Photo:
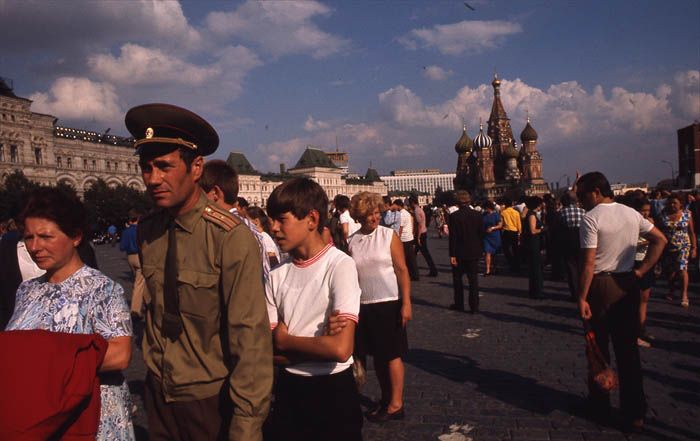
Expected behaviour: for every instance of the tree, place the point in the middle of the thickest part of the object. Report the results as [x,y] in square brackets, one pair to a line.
[15,191]
[110,206]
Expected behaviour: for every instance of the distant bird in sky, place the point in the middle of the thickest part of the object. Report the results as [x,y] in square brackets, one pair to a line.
[446,115]
[468,6]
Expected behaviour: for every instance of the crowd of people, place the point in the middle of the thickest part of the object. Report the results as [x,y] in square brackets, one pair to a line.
[240,303]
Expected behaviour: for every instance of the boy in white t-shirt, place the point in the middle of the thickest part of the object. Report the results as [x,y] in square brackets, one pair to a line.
[315,396]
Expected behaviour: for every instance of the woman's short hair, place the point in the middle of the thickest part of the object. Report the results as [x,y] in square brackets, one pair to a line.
[58,206]
[364,203]
[533,202]
[489,205]
[299,196]
[259,214]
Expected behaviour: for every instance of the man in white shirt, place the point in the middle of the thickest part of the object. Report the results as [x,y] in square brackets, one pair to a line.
[407,239]
[609,293]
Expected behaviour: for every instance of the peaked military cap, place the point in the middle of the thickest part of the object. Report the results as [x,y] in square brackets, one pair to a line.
[159,124]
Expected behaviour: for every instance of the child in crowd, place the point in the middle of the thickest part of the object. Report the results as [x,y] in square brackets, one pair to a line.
[316,397]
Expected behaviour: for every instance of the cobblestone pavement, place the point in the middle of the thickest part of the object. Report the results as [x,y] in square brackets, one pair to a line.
[514,372]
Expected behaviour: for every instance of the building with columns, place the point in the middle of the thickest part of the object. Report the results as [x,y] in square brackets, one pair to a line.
[491,165]
[48,153]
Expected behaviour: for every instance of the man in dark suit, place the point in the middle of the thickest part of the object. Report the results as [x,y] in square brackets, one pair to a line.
[466,246]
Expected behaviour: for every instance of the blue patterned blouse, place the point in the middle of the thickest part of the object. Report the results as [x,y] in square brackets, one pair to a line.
[87,302]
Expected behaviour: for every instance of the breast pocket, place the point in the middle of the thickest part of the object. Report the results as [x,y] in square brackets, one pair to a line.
[199,294]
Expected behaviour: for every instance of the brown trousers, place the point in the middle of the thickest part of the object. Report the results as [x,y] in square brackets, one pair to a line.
[197,420]
[140,289]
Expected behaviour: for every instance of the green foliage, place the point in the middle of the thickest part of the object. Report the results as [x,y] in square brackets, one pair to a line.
[110,206]
[105,206]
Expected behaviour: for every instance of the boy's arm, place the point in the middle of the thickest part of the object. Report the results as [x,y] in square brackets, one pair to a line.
[336,348]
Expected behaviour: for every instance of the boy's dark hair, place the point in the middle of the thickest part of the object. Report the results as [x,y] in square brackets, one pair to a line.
[64,209]
[387,201]
[638,202]
[398,202]
[341,202]
[219,173]
[298,196]
[242,202]
[590,181]
[568,198]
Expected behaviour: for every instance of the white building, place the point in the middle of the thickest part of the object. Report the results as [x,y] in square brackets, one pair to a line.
[424,181]
[256,187]
[48,154]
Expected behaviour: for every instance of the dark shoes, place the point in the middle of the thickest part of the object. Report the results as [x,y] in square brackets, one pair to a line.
[383,415]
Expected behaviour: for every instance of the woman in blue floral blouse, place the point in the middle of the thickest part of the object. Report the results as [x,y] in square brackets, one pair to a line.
[74,298]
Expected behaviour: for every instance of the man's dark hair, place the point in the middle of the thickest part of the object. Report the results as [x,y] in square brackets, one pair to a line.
[507,202]
[299,196]
[568,198]
[341,202]
[413,199]
[638,202]
[489,205]
[387,201]
[590,181]
[219,173]
[242,202]
[64,209]
[398,202]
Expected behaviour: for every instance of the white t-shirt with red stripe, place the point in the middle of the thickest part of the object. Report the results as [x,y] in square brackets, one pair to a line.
[303,294]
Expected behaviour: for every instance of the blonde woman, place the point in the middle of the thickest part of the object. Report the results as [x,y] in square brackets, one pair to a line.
[385,305]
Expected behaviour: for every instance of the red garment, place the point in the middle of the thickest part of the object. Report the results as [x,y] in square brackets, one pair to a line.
[47,380]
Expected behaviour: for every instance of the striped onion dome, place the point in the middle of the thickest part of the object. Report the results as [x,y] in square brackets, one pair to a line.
[528,133]
[482,140]
[465,143]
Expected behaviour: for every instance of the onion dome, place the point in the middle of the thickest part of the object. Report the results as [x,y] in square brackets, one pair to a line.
[482,140]
[528,133]
[465,143]
[496,81]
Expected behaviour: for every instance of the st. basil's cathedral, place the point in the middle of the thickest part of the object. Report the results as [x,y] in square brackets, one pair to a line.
[491,165]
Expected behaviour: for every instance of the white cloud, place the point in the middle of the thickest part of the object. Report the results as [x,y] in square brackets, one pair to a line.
[686,94]
[470,36]
[311,125]
[140,65]
[279,28]
[40,25]
[436,73]
[79,98]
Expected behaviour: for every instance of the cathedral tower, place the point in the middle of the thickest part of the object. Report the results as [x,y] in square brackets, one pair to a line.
[530,157]
[485,163]
[499,130]
[465,165]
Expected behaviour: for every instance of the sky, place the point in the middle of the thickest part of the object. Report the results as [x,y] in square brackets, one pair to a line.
[606,83]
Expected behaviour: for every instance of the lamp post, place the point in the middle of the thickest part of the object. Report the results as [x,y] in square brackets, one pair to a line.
[673,171]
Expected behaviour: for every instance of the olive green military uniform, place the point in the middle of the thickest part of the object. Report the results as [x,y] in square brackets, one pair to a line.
[225,339]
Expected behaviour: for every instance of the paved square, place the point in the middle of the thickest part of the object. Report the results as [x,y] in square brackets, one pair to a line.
[514,372]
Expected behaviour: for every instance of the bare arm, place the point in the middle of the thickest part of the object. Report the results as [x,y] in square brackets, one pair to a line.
[346,230]
[693,239]
[532,224]
[585,279]
[326,347]
[402,278]
[118,354]
[657,243]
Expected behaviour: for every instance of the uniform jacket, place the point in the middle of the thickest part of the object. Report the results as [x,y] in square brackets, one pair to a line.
[49,380]
[466,234]
[226,339]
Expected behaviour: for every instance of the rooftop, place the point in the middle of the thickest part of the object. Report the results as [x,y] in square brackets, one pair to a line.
[313,157]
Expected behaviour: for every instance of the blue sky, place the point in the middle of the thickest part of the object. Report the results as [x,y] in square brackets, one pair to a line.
[606,83]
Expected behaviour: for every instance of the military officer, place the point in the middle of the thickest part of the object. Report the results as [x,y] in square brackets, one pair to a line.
[207,342]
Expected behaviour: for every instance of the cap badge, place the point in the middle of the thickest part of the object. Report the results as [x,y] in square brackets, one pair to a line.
[149,133]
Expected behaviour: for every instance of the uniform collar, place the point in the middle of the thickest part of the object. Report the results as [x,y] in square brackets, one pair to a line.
[188,220]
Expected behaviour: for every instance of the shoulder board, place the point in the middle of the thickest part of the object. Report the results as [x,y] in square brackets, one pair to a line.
[220,217]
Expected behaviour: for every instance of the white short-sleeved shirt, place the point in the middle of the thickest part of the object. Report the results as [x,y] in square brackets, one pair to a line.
[406,225]
[353,226]
[303,294]
[372,255]
[613,229]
